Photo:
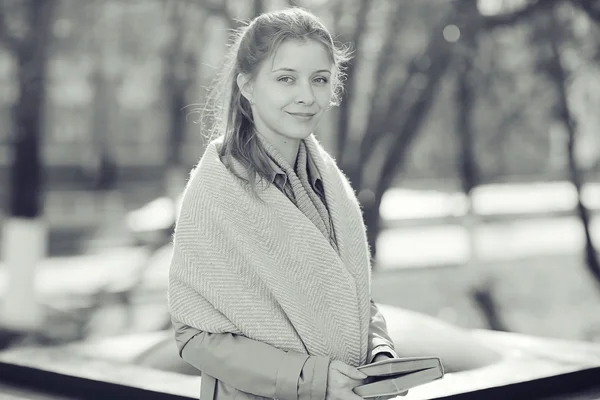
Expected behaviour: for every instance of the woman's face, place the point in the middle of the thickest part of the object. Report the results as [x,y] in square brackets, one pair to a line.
[291,90]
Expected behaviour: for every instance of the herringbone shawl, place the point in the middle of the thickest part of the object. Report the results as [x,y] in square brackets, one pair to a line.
[264,270]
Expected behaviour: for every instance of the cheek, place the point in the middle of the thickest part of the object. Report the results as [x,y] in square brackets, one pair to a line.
[275,96]
[324,96]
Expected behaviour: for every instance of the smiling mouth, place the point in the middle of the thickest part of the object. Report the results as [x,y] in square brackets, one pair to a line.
[302,115]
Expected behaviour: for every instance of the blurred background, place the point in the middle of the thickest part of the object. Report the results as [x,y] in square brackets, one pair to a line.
[470,131]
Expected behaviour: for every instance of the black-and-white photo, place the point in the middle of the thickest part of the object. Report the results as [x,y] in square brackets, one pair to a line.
[299,199]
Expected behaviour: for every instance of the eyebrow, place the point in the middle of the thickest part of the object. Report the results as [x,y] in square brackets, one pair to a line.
[293,70]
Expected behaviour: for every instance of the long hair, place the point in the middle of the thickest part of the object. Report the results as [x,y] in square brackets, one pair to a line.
[228,113]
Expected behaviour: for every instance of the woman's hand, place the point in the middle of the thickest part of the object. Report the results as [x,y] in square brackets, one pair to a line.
[342,378]
[381,357]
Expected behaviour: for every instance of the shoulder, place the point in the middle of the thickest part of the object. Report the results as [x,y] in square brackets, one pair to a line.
[207,176]
[325,157]
[211,183]
[332,167]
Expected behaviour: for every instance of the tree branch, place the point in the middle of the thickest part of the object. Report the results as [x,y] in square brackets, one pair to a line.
[560,77]
[411,125]
[344,109]
[376,130]
[512,18]
[383,67]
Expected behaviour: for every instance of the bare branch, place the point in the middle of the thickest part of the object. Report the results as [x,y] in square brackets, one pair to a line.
[411,125]
[512,18]
[376,109]
[344,108]
[560,76]
[376,130]
[387,50]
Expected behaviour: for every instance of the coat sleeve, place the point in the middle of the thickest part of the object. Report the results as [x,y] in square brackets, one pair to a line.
[232,359]
[379,339]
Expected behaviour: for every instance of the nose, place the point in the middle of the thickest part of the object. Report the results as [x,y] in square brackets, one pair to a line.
[305,95]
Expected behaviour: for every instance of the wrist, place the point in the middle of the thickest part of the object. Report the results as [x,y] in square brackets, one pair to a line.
[382,356]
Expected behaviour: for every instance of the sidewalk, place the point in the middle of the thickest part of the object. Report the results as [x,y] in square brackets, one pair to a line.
[82,274]
[498,242]
[398,249]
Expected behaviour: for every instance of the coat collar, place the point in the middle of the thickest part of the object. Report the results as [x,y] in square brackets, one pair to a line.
[312,169]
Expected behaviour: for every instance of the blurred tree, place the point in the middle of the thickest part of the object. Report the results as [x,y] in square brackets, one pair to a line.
[554,32]
[468,77]
[106,75]
[356,37]
[233,12]
[258,7]
[398,105]
[26,31]
[220,8]
[181,69]
[181,61]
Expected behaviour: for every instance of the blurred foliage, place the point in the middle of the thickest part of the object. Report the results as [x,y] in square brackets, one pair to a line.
[516,132]
[432,83]
[142,49]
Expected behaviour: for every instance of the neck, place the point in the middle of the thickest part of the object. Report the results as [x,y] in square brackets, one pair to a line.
[289,151]
[288,148]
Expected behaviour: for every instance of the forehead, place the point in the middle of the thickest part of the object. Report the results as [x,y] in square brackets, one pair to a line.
[302,56]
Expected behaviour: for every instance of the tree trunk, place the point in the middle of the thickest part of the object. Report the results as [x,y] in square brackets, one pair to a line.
[258,7]
[180,75]
[372,220]
[344,114]
[101,166]
[24,238]
[480,280]
[575,176]
[483,296]
[559,75]
[174,171]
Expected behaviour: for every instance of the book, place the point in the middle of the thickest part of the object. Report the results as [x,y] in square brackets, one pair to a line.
[395,376]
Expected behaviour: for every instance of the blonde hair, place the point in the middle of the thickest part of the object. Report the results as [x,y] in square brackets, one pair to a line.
[228,113]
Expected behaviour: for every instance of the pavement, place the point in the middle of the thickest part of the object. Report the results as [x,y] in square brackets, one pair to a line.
[399,248]
[81,274]
[500,241]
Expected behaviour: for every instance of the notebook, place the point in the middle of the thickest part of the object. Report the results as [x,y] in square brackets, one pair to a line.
[395,376]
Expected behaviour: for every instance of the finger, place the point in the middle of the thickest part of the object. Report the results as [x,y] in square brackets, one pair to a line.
[391,396]
[351,372]
[352,396]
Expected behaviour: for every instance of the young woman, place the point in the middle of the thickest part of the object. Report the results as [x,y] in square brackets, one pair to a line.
[269,285]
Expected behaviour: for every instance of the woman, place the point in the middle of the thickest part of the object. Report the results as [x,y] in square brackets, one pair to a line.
[269,285]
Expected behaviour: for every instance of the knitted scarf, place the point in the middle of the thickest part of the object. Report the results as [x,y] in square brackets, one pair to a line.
[315,209]
[262,269]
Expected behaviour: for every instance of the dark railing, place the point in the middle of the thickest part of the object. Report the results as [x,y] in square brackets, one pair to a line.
[53,374]
[49,373]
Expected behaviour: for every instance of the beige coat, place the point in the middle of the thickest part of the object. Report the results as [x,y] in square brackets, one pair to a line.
[236,367]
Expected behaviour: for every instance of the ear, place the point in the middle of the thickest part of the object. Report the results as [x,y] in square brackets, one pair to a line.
[245,85]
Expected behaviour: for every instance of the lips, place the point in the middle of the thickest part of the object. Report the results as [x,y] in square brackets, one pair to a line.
[302,115]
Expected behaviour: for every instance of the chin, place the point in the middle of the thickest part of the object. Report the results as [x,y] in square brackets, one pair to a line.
[298,133]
